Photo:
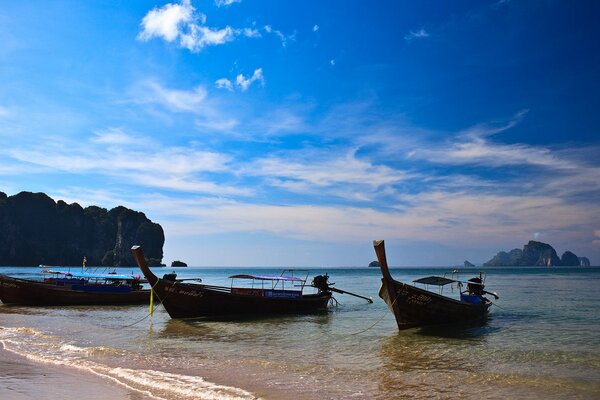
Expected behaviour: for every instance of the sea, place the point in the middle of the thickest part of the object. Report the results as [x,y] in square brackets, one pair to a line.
[541,341]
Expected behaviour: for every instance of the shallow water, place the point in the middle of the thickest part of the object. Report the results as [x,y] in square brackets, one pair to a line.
[541,341]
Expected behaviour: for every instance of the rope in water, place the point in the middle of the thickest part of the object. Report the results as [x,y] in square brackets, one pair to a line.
[383,314]
[151,304]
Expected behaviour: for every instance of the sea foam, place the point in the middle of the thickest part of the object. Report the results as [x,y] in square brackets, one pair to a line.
[42,348]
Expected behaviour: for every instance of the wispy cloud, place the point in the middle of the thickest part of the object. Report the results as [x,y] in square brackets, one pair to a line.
[244,83]
[225,3]
[224,83]
[111,153]
[283,37]
[251,32]
[420,34]
[473,146]
[315,28]
[150,91]
[325,172]
[118,137]
[164,101]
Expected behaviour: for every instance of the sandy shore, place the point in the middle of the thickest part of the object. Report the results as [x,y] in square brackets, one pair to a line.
[22,379]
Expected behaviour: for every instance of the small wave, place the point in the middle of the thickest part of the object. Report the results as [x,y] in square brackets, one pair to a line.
[92,351]
[35,345]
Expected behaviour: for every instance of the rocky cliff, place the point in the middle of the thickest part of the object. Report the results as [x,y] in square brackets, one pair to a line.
[34,229]
[570,259]
[534,254]
[584,261]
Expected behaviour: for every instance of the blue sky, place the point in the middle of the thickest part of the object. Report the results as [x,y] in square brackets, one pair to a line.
[294,133]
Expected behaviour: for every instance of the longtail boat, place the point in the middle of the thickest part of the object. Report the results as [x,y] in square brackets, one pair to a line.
[413,306]
[73,288]
[193,300]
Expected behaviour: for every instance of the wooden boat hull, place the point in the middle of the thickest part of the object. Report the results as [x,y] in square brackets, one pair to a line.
[413,306]
[184,300]
[194,300]
[28,292]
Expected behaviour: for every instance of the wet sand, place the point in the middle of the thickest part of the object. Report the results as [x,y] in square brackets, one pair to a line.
[22,379]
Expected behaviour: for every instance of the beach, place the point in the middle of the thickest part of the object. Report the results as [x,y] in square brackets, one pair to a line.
[22,379]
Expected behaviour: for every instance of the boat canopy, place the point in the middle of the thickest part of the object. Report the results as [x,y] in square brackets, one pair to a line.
[91,275]
[441,281]
[267,278]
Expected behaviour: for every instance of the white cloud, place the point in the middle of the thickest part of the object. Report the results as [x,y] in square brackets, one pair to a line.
[446,218]
[116,136]
[315,28]
[244,83]
[209,112]
[225,3]
[420,34]
[166,22]
[193,101]
[342,175]
[199,37]
[153,166]
[251,32]
[179,22]
[284,38]
[332,62]
[224,83]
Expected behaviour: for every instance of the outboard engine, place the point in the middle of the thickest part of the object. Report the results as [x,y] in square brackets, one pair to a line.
[476,287]
[321,282]
[170,277]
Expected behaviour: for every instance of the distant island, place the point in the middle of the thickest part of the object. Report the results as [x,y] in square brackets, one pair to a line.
[34,230]
[374,264]
[536,254]
[178,264]
[468,264]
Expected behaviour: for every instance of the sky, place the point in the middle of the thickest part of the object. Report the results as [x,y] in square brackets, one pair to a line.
[281,133]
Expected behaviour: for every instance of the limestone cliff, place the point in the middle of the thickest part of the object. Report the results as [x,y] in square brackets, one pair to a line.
[34,229]
[534,254]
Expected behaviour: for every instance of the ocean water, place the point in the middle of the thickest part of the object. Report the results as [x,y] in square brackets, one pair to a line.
[542,340]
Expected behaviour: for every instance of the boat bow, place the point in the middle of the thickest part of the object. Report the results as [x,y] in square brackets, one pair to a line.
[138,255]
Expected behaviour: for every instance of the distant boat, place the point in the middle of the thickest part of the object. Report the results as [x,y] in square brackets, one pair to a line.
[73,288]
[267,295]
[413,306]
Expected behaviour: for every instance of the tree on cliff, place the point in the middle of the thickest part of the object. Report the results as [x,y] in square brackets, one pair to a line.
[36,230]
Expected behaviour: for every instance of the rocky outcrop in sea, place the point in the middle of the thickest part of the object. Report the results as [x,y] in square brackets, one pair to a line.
[34,229]
[535,254]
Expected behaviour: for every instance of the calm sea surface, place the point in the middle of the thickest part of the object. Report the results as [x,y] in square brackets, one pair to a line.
[542,341]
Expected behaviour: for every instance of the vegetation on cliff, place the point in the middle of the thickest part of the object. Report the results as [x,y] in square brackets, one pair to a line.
[34,229]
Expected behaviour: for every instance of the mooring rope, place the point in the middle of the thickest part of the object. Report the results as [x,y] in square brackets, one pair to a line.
[151,304]
[383,314]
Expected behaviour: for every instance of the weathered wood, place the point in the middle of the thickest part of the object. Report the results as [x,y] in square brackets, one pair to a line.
[38,293]
[186,300]
[413,306]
